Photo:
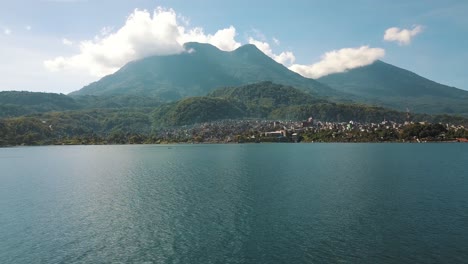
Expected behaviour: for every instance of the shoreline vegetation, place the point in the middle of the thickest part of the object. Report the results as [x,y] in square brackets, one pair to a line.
[254,113]
[240,131]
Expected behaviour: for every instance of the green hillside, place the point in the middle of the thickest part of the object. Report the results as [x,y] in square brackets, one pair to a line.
[386,85]
[138,124]
[204,68]
[116,101]
[268,100]
[198,71]
[275,94]
[13,103]
[197,110]
[74,127]
[261,98]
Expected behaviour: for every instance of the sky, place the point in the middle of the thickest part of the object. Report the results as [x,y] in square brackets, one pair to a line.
[62,45]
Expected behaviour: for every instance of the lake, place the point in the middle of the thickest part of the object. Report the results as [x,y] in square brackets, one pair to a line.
[239,203]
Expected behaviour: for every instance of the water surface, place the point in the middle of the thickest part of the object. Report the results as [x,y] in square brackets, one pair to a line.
[253,203]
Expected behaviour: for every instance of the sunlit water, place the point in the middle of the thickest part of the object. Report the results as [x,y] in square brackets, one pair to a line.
[253,203]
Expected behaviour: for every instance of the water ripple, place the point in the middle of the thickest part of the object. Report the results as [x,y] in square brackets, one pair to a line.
[264,203]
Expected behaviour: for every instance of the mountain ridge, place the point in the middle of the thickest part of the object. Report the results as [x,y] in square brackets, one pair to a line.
[390,86]
[203,68]
[199,70]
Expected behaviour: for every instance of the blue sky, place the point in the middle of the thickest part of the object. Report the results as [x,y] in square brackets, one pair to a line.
[62,45]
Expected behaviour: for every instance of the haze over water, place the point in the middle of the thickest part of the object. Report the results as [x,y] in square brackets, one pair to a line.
[254,203]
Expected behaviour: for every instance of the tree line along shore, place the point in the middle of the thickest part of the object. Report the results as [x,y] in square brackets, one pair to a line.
[235,131]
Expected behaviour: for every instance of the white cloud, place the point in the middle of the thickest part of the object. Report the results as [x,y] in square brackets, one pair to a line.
[7,31]
[163,32]
[276,41]
[285,57]
[224,39]
[402,36]
[144,34]
[106,31]
[340,61]
[67,42]
[28,28]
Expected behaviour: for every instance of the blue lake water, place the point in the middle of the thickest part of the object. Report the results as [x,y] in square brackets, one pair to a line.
[252,203]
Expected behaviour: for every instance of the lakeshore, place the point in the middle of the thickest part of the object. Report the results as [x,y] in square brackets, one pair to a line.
[258,131]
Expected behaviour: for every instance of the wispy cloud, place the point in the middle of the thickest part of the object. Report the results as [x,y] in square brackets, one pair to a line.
[67,42]
[28,28]
[106,31]
[402,36]
[340,61]
[452,12]
[285,57]
[276,41]
[7,31]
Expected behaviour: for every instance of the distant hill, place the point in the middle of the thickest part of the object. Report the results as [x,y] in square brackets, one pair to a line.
[14,103]
[197,110]
[261,98]
[249,101]
[386,85]
[268,100]
[198,71]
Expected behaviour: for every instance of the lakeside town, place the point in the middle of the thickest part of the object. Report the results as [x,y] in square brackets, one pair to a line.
[246,131]
[256,131]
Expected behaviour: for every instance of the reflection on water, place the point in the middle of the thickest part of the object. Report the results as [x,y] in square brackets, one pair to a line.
[262,203]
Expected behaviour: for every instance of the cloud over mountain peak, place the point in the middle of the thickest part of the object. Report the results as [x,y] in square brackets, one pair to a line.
[144,34]
[164,32]
[340,61]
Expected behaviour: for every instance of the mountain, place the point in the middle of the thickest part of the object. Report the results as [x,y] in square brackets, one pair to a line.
[199,70]
[386,85]
[204,68]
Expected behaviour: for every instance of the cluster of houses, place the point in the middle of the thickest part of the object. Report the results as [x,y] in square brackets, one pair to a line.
[230,131]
